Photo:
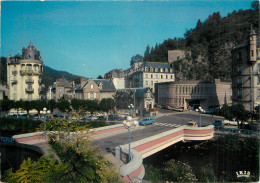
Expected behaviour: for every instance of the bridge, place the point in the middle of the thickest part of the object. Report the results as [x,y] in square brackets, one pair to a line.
[140,149]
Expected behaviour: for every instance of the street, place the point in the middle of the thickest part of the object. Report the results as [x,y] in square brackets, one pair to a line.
[167,120]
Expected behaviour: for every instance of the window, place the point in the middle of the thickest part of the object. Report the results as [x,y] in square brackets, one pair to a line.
[156,76]
[161,76]
[239,82]
[161,70]
[146,83]
[258,93]
[146,76]
[151,76]
[171,76]
[151,82]
[258,68]
[252,53]
[156,70]
[166,76]
[239,70]
[91,86]
[239,93]
[151,69]
[166,70]
[146,69]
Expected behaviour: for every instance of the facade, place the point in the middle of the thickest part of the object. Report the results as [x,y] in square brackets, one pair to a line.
[24,74]
[245,73]
[98,89]
[194,94]
[141,98]
[174,55]
[59,89]
[149,73]
[118,77]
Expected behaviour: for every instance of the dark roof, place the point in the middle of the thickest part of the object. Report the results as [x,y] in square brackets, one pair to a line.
[107,85]
[156,65]
[63,82]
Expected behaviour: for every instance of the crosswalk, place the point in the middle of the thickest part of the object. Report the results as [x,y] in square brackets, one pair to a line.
[167,124]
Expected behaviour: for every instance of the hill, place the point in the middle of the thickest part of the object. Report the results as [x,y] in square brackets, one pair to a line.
[213,40]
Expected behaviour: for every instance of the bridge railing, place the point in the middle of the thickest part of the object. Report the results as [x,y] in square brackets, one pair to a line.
[238,131]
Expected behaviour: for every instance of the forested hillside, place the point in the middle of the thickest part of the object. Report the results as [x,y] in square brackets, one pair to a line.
[213,39]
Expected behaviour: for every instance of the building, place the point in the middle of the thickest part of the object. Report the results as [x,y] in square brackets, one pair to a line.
[24,74]
[60,89]
[245,73]
[141,98]
[118,77]
[193,94]
[149,73]
[174,55]
[91,89]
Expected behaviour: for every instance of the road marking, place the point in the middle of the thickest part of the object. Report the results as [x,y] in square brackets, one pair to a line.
[167,124]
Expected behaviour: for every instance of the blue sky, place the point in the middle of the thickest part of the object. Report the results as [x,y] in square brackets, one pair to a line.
[90,38]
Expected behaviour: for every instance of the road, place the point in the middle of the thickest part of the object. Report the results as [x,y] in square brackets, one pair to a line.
[166,121]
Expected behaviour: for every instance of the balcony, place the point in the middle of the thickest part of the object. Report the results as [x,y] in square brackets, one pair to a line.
[29,72]
[14,72]
[29,81]
[29,90]
[14,82]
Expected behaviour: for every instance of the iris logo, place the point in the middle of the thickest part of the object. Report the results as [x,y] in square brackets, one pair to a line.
[243,174]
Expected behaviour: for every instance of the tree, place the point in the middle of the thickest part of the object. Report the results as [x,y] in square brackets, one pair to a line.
[76,104]
[6,105]
[147,54]
[99,77]
[39,105]
[27,105]
[17,105]
[92,105]
[63,106]
[78,161]
[107,104]
[135,59]
[239,113]
[255,5]
[51,105]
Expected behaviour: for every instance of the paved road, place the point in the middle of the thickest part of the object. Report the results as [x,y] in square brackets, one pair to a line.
[165,122]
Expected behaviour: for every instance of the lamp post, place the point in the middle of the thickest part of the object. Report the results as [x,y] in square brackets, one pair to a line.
[127,123]
[131,106]
[200,110]
[45,110]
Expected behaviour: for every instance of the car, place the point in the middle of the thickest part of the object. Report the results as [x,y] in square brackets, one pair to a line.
[101,118]
[178,109]
[228,122]
[147,121]
[218,123]
[192,124]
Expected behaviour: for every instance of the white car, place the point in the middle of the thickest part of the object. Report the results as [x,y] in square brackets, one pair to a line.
[227,122]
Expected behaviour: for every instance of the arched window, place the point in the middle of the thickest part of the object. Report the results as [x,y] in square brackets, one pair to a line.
[146,69]
[161,70]
[151,69]
[166,70]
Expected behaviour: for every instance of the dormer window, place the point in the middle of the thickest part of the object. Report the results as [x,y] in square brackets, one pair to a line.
[146,69]
[166,70]
[161,70]
[156,70]
[151,69]
[100,85]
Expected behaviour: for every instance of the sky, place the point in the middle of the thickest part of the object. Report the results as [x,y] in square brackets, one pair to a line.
[90,38]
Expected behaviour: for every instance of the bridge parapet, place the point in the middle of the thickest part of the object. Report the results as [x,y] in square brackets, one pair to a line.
[153,144]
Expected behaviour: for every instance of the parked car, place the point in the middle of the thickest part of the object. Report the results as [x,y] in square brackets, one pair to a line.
[227,122]
[192,124]
[102,118]
[147,121]
[218,123]
[178,109]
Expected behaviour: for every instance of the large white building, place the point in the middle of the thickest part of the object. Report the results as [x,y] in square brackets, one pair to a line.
[117,76]
[146,74]
[23,74]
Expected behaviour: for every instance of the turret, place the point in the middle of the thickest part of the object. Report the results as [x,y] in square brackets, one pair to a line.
[252,42]
[31,53]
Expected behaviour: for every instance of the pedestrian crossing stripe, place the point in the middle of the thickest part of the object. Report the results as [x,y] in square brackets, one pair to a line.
[166,124]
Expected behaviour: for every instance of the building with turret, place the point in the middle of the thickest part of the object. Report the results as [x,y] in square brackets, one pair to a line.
[246,73]
[24,74]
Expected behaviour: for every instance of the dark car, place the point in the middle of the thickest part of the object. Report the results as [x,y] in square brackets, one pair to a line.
[218,123]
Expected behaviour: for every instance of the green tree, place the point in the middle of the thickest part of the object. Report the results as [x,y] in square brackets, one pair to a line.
[17,105]
[239,113]
[63,106]
[39,105]
[107,104]
[92,105]
[51,105]
[27,106]
[135,59]
[6,105]
[99,77]
[76,104]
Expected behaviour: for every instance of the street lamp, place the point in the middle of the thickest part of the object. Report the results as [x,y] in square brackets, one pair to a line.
[131,107]
[201,111]
[45,110]
[127,123]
